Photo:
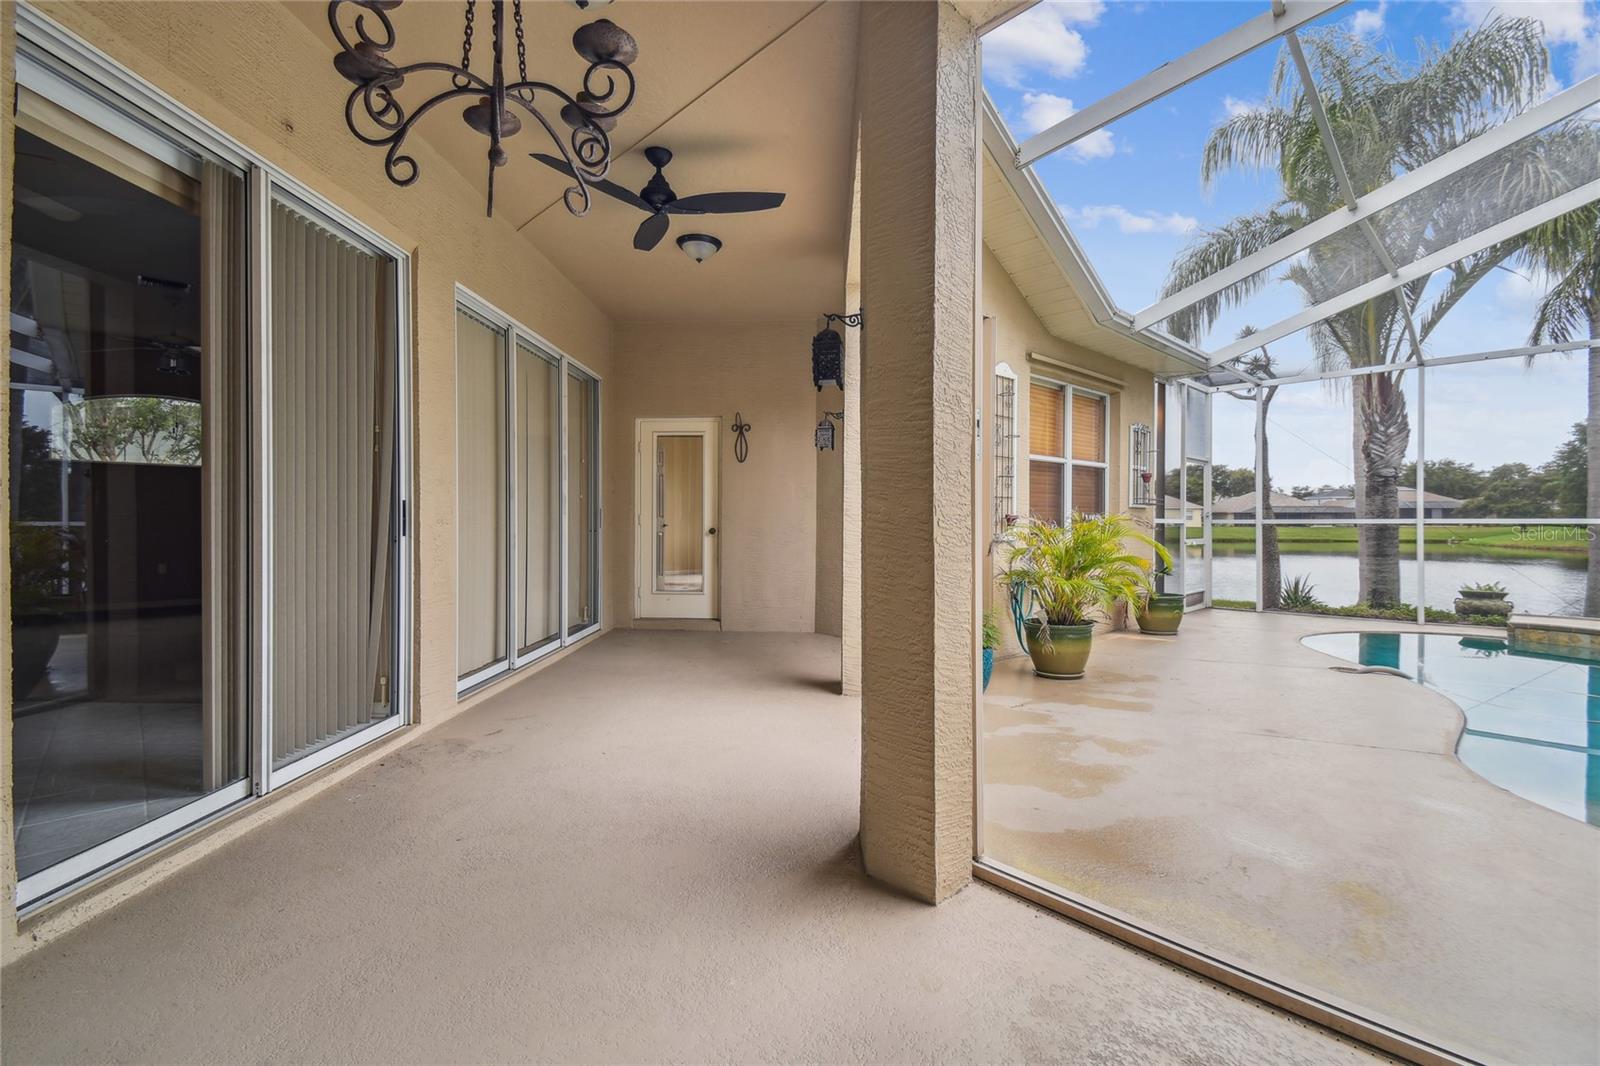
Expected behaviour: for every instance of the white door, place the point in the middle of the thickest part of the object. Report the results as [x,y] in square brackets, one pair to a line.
[677,518]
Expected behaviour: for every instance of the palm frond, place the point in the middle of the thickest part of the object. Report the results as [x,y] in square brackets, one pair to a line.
[1217,249]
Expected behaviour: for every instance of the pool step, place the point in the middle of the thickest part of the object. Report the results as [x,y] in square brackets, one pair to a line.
[1577,637]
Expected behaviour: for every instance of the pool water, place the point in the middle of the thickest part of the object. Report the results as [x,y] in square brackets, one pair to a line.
[1533,720]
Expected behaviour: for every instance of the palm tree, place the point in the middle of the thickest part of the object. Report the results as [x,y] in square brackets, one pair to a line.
[1568,249]
[1388,117]
[1260,364]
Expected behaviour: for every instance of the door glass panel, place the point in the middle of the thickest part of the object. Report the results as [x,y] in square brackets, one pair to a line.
[335,533]
[480,495]
[126,335]
[539,497]
[680,513]
[583,501]
[1195,577]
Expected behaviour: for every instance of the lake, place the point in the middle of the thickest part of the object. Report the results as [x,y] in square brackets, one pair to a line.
[1535,586]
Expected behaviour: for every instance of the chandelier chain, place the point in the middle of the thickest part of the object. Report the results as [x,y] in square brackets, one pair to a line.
[522,43]
[466,43]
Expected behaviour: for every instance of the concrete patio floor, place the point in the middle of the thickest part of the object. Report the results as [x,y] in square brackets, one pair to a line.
[645,853]
[1230,788]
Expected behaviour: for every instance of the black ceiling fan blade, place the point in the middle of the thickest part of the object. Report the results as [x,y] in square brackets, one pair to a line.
[610,188]
[650,232]
[726,203]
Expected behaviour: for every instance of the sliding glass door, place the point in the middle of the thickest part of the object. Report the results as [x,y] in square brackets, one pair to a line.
[583,501]
[527,496]
[207,472]
[538,464]
[481,487]
[126,488]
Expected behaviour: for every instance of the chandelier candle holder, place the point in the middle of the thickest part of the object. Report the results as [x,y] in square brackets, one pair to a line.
[377,117]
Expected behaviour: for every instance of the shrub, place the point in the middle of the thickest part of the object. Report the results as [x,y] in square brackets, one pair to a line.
[1299,594]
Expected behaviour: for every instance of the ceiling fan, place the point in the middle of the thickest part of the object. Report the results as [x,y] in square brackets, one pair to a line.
[658,199]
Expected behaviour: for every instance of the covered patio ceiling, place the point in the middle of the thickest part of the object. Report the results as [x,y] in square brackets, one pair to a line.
[748,95]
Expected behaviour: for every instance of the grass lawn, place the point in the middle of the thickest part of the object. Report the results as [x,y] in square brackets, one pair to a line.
[1524,542]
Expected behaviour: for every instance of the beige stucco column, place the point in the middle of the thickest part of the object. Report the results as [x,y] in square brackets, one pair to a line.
[919,213]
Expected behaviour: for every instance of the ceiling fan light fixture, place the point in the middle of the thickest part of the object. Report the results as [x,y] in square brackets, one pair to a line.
[699,246]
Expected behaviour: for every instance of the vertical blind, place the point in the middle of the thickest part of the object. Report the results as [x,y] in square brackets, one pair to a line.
[333,308]
[225,473]
[480,494]
[539,512]
[582,500]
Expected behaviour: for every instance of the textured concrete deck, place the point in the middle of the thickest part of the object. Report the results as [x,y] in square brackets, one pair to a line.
[1229,788]
[646,853]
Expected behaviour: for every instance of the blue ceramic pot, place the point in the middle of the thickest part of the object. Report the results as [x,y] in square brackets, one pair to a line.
[988,666]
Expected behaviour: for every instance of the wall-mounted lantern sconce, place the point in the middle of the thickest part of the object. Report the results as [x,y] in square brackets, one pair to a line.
[827,352]
[825,430]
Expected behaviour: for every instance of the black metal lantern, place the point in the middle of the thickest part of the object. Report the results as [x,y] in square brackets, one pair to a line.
[825,429]
[827,352]
[827,360]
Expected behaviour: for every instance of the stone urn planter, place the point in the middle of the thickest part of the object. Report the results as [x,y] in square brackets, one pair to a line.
[1161,614]
[1058,652]
[1483,601]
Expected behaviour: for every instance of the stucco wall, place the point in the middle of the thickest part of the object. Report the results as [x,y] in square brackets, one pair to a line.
[265,79]
[767,531]
[1017,333]
[830,517]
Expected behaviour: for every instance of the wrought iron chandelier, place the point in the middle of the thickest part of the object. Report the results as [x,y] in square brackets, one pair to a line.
[590,114]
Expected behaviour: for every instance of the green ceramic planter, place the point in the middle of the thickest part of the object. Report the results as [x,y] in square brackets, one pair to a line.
[1163,614]
[1066,654]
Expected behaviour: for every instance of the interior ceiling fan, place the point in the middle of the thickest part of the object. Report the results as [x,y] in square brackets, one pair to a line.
[658,199]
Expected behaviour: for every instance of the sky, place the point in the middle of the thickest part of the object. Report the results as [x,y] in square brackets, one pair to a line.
[1132,195]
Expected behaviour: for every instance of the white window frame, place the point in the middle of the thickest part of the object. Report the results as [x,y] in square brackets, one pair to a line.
[1067,462]
[62,67]
[517,657]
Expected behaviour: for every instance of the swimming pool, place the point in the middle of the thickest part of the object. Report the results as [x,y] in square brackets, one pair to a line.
[1533,720]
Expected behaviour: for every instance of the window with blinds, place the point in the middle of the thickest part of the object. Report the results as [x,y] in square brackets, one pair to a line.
[1063,482]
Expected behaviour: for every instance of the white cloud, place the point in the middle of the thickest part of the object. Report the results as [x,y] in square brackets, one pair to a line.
[1131,222]
[1566,22]
[1519,293]
[1368,22]
[1040,111]
[1234,107]
[1041,40]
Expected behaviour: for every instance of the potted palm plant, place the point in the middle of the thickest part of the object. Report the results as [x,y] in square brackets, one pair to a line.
[1069,572]
[1160,612]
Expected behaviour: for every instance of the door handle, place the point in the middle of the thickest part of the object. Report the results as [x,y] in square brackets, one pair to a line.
[711,532]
